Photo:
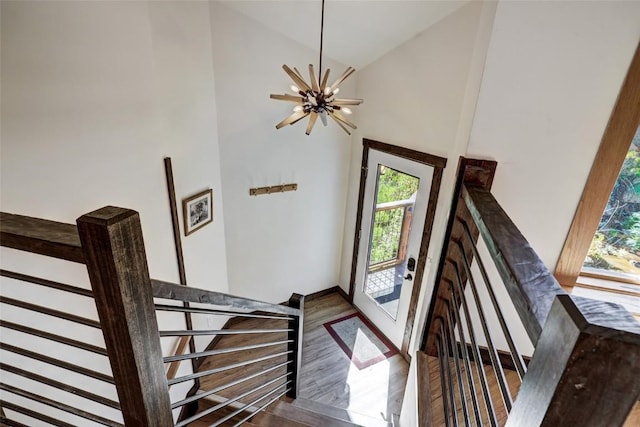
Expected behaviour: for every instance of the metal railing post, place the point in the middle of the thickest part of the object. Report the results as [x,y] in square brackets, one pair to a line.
[296,325]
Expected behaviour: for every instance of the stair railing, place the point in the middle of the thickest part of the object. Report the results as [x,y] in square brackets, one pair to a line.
[586,364]
[274,361]
[109,242]
[42,343]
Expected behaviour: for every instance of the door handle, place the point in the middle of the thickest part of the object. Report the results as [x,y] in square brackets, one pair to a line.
[408,277]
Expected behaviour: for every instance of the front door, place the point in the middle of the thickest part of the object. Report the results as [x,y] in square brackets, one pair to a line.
[395,202]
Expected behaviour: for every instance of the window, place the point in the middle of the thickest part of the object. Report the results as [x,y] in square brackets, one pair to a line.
[609,160]
[615,249]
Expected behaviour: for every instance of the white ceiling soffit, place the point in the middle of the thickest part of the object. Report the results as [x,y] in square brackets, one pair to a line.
[356,32]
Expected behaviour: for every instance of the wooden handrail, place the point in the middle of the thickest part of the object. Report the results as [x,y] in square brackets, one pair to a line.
[394,205]
[530,284]
[41,236]
[168,290]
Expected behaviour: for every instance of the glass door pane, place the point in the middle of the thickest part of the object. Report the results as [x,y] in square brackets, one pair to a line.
[391,224]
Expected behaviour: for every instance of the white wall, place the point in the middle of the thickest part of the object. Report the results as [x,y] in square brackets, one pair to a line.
[281,243]
[553,73]
[94,96]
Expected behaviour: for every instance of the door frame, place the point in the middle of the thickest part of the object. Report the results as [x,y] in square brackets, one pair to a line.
[438,164]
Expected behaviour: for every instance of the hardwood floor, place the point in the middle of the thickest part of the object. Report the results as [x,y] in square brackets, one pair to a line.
[327,375]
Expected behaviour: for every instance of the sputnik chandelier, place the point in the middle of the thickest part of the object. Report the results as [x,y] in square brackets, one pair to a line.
[317,98]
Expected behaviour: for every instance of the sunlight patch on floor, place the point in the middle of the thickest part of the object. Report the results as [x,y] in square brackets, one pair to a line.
[371,385]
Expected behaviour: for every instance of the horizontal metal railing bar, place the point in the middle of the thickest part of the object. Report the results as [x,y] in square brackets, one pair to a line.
[250,405]
[59,405]
[50,312]
[163,307]
[225,368]
[168,290]
[47,283]
[226,402]
[33,414]
[57,362]
[4,421]
[170,359]
[220,332]
[54,337]
[273,399]
[227,385]
[61,386]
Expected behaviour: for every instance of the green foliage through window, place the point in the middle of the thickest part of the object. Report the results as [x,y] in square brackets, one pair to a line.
[616,245]
[393,186]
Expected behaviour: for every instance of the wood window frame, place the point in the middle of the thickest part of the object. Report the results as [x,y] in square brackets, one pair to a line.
[617,137]
[438,164]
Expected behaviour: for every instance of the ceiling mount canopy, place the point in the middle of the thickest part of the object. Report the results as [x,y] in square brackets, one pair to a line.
[317,98]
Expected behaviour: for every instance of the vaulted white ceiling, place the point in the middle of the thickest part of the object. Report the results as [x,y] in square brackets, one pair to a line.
[356,32]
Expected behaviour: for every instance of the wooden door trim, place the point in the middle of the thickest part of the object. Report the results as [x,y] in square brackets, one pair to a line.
[438,164]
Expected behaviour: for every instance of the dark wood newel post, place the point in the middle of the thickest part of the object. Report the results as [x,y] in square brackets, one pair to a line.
[585,370]
[295,357]
[113,247]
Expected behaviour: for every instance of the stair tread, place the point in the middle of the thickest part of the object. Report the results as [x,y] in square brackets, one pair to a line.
[339,413]
[307,417]
[267,419]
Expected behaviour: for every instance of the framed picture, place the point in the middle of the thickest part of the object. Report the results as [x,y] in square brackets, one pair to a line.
[197,211]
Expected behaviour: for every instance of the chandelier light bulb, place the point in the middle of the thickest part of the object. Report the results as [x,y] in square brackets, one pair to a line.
[346,110]
[294,88]
[298,109]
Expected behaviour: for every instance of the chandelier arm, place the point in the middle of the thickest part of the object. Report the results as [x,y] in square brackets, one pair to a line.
[288,98]
[292,119]
[298,73]
[296,79]
[340,118]
[346,101]
[342,78]
[312,121]
[323,85]
[340,124]
[314,81]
